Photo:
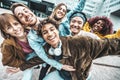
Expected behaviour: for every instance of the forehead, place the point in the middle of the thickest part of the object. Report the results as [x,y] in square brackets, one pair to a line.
[63,6]
[101,21]
[77,18]
[48,26]
[19,9]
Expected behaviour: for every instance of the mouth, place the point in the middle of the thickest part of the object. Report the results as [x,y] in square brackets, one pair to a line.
[30,19]
[95,28]
[18,32]
[75,27]
[60,13]
[52,38]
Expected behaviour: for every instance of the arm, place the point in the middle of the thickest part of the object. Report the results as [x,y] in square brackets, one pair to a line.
[115,35]
[89,34]
[79,8]
[38,48]
[30,63]
[94,48]
[64,27]
[8,56]
[11,58]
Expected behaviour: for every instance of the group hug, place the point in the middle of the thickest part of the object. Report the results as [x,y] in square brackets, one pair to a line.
[64,43]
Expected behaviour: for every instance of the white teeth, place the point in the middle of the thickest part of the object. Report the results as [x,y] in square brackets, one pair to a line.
[96,28]
[51,38]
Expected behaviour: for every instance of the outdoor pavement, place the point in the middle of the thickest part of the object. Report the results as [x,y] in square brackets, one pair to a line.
[98,72]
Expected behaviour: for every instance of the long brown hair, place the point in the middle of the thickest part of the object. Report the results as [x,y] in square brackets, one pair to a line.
[5,20]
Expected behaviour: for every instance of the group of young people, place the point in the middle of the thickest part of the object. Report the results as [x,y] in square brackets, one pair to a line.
[65,43]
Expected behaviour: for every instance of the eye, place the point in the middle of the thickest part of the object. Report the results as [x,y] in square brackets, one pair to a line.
[52,29]
[64,10]
[60,8]
[25,10]
[20,15]
[16,23]
[8,27]
[79,22]
[44,32]
[73,21]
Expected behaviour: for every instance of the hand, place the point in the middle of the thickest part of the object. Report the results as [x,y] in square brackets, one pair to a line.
[12,70]
[68,68]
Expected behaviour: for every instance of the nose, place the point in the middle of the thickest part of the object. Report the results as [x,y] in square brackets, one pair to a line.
[26,15]
[75,24]
[14,27]
[50,33]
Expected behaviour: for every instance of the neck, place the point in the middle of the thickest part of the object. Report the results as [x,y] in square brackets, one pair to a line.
[56,45]
[73,34]
[23,38]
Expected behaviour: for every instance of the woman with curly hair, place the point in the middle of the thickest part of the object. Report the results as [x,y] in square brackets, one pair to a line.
[101,26]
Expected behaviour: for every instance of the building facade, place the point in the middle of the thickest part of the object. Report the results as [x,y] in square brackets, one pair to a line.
[109,8]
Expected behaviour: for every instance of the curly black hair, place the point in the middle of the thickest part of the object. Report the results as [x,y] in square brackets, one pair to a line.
[108,27]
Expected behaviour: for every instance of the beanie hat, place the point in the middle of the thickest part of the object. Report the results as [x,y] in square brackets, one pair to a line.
[78,14]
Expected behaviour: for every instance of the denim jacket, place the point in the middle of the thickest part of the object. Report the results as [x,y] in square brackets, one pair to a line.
[64,27]
[36,42]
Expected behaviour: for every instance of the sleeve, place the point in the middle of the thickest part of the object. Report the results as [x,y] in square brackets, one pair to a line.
[8,56]
[100,48]
[92,35]
[79,7]
[115,35]
[30,63]
[94,48]
[64,27]
[38,48]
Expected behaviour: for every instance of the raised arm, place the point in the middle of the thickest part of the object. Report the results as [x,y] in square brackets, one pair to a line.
[64,27]
[79,7]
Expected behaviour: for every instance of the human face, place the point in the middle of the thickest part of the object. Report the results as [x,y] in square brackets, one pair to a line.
[14,29]
[98,26]
[60,12]
[76,25]
[25,16]
[50,34]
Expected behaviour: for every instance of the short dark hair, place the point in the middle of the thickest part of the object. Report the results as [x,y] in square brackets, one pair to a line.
[44,22]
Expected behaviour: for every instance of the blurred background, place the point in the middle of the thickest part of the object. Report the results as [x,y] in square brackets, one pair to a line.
[43,8]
